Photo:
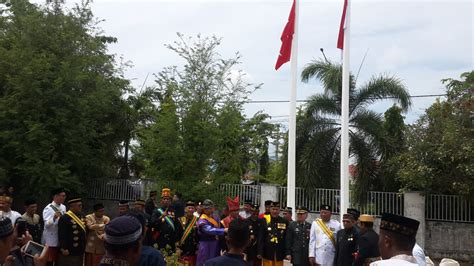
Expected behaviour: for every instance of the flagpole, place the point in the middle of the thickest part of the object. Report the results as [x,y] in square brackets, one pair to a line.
[291,186]
[345,116]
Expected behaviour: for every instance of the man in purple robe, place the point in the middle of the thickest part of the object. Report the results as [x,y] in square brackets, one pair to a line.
[209,230]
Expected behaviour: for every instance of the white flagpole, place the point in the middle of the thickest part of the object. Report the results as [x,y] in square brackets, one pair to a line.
[291,186]
[345,116]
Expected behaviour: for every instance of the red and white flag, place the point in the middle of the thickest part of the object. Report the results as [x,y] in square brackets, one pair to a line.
[340,39]
[287,39]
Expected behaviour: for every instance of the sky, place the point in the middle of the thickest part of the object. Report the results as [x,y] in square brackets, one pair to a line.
[418,41]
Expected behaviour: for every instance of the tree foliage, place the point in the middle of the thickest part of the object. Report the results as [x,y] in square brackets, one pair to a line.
[318,127]
[440,154]
[60,97]
[199,137]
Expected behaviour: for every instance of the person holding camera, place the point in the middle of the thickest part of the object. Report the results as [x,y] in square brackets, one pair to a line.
[10,253]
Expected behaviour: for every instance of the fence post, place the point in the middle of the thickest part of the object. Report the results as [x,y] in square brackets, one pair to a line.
[268,192]
[414,207]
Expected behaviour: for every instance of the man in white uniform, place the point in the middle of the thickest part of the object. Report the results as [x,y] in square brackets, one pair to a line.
[51,214]
[5,207]
[322,238]
[396,241]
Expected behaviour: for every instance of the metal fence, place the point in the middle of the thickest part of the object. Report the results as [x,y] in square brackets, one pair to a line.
[449,208]
[245,192]
[118,189]
[376,202]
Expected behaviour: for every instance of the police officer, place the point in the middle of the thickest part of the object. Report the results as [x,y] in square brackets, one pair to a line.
[297,238]
[346,242]
[368,241]
[271,242]
[165,226]
[72,235]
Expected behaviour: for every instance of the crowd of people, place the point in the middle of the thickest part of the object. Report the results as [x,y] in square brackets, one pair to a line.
[196,233]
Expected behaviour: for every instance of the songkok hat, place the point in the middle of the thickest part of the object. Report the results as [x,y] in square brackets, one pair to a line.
[74,200]
[325,207]
[207,203]
[166,193]
[139,202]
[399,224]
[268,202]
[29,202]
[248,201]
[353,212]
[275,204]
[123,203]
[190,203]
[6,227]
[288,209]
[57,191]
[366,218]
[123,230]
[98,206]
[233,204]
[153,193]
[348,216]
[301,210]
[6,199]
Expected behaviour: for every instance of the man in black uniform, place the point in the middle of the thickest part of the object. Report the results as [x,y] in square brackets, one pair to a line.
[188,240]
[255,224]
[165,226]
[297,238]
[356,214]
[368,241]
[35,223]
[271,240]
[150,204]
[72,235]
[346,242]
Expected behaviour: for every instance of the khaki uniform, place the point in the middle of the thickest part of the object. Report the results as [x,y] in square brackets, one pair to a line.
[95,238]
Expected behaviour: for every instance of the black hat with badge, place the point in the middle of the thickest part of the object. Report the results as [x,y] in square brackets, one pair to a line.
[268,202]
[190,203]
[288,209]
[325,207]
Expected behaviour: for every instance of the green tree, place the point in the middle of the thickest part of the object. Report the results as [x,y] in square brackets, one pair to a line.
[200,124]
[318,130]
[440,154]
[60,97]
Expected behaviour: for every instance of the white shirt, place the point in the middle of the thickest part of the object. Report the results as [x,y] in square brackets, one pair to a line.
[50,232]
[402,260]
[419,255]
[13,215]
[244,214]
[320,245]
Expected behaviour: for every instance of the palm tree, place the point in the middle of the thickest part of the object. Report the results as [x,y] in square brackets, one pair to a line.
[318,127]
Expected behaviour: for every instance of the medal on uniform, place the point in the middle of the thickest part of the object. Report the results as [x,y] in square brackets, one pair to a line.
[269,229]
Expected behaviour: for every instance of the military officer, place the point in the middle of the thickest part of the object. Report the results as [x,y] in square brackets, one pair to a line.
[368,241]
[346,242]
[165,226]
[271,241]
[356,214]
[322,240]
[255,224]
[72,235]
[188,240]
[297,238]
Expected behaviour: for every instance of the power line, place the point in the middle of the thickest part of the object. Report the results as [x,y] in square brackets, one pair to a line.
[304,101]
